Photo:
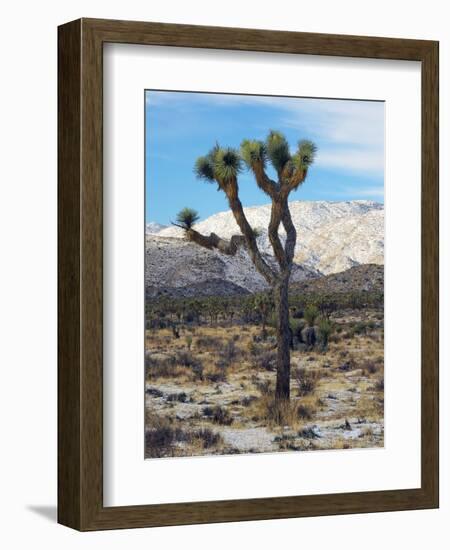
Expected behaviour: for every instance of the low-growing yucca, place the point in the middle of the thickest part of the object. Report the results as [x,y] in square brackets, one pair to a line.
[325,329]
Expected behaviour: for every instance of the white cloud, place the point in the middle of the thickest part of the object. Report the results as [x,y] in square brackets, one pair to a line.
[363,159]
[375,192]
[349,133]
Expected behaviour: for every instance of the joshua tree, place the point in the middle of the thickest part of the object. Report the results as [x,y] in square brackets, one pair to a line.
[222,165]
[186,218]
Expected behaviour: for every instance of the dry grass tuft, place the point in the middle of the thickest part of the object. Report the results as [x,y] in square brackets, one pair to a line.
[306,381]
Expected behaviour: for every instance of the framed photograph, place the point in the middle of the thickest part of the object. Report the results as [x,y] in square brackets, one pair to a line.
[248,274]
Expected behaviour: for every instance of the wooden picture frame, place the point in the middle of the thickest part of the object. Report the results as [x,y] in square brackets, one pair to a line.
[80,271]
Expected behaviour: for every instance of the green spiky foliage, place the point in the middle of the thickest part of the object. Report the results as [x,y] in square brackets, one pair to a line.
[325,330]
[253,151]
[227,164]
[305,155]
[187,217]
[277,150]
[204,168]
[221,164]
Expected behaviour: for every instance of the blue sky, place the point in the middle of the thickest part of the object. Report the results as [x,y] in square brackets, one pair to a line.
[181,126]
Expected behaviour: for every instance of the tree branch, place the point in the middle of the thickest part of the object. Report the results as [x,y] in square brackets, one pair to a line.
[247,231]
[178,225]
[276,216]
[268,186]
[291,183]
[214,241]
[291,235]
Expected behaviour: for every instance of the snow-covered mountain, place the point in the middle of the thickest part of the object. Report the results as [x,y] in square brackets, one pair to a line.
[154,227]
[179,268]
[331,236]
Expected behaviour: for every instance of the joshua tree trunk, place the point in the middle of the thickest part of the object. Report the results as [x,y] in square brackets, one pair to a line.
[222,165]
[280,292]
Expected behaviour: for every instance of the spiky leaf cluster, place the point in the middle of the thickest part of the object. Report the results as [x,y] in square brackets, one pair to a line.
[227,164]
[305,155]
[204,168]
[277,150]
[253,151]
[221,164]
[187,217]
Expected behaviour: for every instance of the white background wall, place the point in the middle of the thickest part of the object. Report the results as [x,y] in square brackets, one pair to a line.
[28,272]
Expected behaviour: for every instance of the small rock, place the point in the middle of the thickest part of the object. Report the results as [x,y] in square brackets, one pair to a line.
[154,392]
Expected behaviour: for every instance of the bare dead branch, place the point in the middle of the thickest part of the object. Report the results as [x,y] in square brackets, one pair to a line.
[178,225]
[214,241]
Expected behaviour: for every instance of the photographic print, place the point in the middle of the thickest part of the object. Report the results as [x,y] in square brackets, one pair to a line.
[264,274]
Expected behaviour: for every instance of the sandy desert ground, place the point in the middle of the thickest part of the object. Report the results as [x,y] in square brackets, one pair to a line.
[209,389]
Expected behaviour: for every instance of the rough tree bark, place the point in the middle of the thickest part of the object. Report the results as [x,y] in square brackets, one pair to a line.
[282,389]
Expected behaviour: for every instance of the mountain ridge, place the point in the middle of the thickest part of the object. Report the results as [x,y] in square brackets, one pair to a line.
[332,236]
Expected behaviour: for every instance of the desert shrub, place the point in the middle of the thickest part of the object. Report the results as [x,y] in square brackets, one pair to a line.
[266,360]
[379,385]
[157,366]
[219,374]
[367,431]
[297,326]
[281,412]
[210,343]
[370,367]
[181,397]
[223,362]
[310,314]
[208,411]
[207,437]
[186,359]
[308,433]
[222,366]
[197,371]
[325,329]
[306,381]
[158,441]
[264,386]
[253,348]
[218,415]
[229,351]
[188,339]
[162,438]
[348,365]
[247,400]
[297,313]
[358,328]
[305,411]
